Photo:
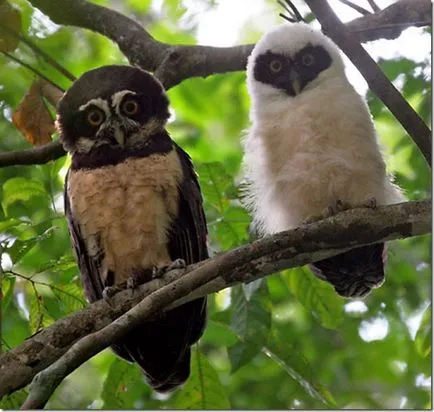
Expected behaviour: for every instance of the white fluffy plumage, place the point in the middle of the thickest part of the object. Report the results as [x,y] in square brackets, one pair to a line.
[304,152]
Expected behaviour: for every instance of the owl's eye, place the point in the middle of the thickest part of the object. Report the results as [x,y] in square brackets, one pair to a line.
[95,117]
[275,66]
[130,107]
[308,59]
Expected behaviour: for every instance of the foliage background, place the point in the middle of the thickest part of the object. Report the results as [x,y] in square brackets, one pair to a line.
[284,342]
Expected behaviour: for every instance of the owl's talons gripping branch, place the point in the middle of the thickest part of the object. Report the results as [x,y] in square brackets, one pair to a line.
[140,277]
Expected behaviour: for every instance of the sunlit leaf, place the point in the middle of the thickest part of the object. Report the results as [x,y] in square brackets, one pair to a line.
[20,247]
[20,189]
[7,291]
[39,316]
[203,389]
[32,116]
[10,26]
[317,296]
[14,401]
[424,334]
[214,182]
[251,321]
[70,297]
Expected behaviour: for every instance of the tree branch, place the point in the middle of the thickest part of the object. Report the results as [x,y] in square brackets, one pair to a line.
[35,156]
[376,79]
[174,63]
[293,248]
[390,22]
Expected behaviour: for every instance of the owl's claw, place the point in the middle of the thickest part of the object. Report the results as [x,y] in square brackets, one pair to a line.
[139,277]
[176,264]
[109,292]
[339,206]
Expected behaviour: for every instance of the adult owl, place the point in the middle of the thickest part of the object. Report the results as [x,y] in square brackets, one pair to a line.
[133,205]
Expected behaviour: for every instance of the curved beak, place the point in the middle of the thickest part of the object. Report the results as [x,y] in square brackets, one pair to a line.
[119,134]
[295,81]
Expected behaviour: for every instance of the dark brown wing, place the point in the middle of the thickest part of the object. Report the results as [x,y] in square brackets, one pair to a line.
[188,232]
[90,268]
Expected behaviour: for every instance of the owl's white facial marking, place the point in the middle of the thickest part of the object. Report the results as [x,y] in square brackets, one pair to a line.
[100,103]
[117,99]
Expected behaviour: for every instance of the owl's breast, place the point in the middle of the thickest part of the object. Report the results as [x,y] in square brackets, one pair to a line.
[127,210]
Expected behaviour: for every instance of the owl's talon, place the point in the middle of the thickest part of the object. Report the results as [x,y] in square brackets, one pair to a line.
[109,292]
[157,272]
[139,277]
[371,203]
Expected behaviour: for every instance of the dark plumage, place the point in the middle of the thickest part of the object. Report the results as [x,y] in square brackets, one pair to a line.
[133,202]
[355,273]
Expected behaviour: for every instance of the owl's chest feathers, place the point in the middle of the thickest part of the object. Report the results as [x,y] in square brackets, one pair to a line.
[313,156]
[127,210]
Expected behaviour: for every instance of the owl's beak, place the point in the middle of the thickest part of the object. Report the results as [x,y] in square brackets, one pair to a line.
[294,78]
[119,135]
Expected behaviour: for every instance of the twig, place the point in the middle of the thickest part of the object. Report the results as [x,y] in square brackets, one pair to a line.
[269,255]
[374,6]
[39,52]
[356,7]
[293,14]
[32,69]
[375,78]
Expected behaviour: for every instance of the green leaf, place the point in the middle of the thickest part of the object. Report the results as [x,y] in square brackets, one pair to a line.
[21,189]
[297,367]
[70,296]
[317,296]
[14,400]
[214,182]
[251,321]
[6,225]
[21,247]
[203,389]
[39,317]
[115,393]
[7,291]
[424,334]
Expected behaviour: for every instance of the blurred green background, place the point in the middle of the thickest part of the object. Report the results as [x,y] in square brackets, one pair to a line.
[283,342]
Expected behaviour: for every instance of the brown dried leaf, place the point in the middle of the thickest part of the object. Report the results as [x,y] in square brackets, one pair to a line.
[10,23]
[32,117]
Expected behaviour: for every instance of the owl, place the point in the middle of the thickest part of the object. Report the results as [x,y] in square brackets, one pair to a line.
[134,206]
[312,148]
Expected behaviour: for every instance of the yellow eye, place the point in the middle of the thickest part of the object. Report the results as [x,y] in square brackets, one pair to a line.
[95,117]
[275,66]
[308,59]
[130,107]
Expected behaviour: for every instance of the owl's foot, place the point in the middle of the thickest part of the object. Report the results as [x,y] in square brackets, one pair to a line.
[176,264]
[139,277]
[339,206]
[110,291]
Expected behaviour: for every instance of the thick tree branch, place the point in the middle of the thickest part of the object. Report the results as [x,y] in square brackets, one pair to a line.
[175,63]
[376,79]
[266,256]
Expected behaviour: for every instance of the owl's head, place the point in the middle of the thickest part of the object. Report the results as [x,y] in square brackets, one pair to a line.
[291,59]
[116,106]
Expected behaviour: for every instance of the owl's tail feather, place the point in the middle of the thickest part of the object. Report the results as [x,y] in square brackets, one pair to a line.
[354,273]
[162,347]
